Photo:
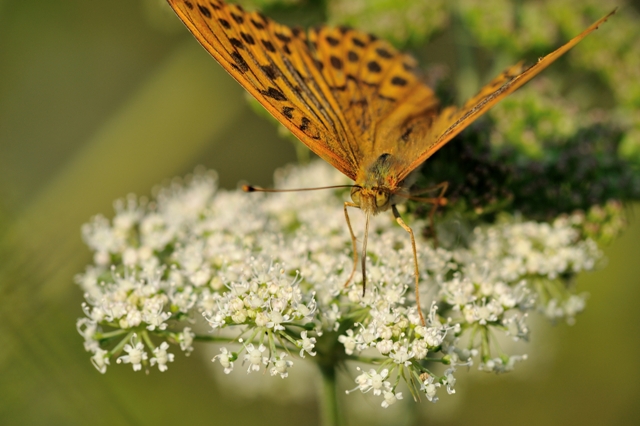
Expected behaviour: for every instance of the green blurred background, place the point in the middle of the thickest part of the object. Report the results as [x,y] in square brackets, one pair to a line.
[100,99]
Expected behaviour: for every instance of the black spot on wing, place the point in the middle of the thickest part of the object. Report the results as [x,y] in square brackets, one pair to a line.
[238,18]
[352,56]
[332,40]
[384,53]
[269,46]
[358,42]
[236,43]
[258,25]
[274,93]
[283,37]
[215,6]
[398,81]
[225,24]
[270,71]
[241,65]
[304,126]
[336,62]
[189,5]
[204,11]
[374,66]
[287,112]
[248,38]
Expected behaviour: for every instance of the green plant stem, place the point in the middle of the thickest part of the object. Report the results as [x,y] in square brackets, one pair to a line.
[329,412]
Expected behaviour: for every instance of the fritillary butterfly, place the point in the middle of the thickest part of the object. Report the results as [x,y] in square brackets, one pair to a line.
[351,98]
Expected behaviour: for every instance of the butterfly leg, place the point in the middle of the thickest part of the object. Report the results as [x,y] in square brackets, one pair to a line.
[443,186]
[416,271]
[353,241]
[437,202]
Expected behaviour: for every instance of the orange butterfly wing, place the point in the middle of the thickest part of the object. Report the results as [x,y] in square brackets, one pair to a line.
[452,120]
[332,89]
[274,63]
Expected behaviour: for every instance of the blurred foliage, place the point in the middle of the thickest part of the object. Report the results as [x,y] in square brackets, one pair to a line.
[402,22]
[575,172]
[99,99]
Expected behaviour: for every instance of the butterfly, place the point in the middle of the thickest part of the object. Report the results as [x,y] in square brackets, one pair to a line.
[350,97]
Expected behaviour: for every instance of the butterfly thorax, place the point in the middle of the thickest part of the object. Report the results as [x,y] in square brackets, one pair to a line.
[377,185]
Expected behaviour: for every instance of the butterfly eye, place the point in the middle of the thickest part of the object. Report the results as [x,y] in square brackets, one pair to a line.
[382,198]
[355,194]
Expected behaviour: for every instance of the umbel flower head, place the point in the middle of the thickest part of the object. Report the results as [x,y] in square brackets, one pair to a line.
[267,273]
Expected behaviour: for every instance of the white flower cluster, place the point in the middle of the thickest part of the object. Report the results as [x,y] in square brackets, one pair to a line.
[267,271]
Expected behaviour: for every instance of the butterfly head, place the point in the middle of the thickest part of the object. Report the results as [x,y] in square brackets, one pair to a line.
[371,200]
[378,184]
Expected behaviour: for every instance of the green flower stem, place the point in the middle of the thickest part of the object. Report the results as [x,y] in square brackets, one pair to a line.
[147,340]
[111,334]
[209,338]
[329,411]
[485,348]
[118,348]
[274,346]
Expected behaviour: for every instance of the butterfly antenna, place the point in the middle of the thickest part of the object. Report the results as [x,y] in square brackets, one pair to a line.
[364,254]
[250,188]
